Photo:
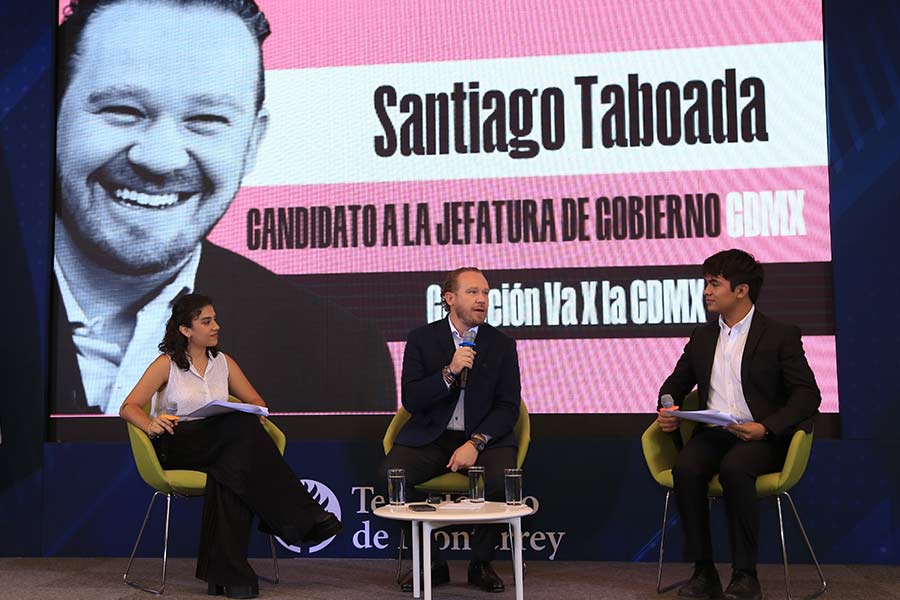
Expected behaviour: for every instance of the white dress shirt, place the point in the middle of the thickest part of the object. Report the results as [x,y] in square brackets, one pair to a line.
[109,371]
[725,392]
[458,420]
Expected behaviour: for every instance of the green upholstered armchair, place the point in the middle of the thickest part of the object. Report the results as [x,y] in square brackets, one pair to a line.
[457,483]
[660,453]
[175,483]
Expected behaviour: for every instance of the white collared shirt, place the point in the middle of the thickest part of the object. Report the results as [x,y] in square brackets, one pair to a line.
[458,420]
[190,390]
[725,392]
[108,371]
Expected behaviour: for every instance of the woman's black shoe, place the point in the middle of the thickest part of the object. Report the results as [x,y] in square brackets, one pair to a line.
[328,526]
[234,591]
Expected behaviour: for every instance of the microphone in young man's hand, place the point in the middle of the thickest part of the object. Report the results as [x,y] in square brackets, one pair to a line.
[667,401]
[468,341]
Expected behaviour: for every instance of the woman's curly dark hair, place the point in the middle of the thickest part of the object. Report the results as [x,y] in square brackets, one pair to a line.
[174,343]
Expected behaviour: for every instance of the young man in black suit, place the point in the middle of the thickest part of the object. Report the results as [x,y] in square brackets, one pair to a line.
[452,428]
[754,368]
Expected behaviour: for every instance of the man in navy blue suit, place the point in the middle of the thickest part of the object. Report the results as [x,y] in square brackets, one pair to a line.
[454,427]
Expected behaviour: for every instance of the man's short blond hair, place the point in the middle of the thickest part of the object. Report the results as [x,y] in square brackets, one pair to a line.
[452,282]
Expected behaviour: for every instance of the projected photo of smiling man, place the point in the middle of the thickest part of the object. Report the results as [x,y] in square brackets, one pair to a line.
[160,115]
[151,145]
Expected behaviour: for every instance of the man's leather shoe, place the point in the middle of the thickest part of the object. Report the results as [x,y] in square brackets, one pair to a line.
[703,584]
[482,574]
[440,574]
[743,586]
[234,591]
[326,527]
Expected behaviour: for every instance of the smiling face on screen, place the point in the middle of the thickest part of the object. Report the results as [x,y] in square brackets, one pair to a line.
[158,125]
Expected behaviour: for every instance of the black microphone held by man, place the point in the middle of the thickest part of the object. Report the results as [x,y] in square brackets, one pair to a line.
[468,341]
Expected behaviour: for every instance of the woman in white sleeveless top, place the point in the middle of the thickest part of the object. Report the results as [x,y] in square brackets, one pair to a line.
[246,474]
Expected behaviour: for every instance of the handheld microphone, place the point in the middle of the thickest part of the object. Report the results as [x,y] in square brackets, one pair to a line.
[667,401]
[468,341]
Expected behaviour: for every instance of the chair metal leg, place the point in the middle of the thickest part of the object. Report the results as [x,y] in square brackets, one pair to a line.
[662,543]
[275,578]
[165,555]
[274,558]
[400,552]
[662,546]
[137,542]
[662,550]
[787,578]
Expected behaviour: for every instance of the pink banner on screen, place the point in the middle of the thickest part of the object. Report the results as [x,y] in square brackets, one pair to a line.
[614,375]
[348,32]
[325,128]
[813,245]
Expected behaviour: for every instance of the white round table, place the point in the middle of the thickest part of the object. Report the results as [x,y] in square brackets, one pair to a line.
[457,513]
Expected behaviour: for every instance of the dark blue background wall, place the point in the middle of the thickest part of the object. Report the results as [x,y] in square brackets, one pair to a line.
[86,499]
[26,150]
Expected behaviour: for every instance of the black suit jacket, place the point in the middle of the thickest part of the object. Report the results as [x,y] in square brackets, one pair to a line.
[777,382]
[493,393]
[300,352]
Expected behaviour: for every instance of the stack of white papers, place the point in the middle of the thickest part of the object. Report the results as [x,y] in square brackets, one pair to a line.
[713,417]
[218,407]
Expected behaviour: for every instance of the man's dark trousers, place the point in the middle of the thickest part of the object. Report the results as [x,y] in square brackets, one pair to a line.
[425,462]
[714,450]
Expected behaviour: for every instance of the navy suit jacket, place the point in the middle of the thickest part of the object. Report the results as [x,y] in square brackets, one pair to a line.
[779,386]
[493,392]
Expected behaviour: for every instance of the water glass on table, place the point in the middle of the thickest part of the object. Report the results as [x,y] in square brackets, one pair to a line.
[512,483]
[476,484]
[396,487]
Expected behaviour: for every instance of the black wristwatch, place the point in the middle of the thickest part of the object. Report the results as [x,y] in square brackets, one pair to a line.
[478,442]
[768,436]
